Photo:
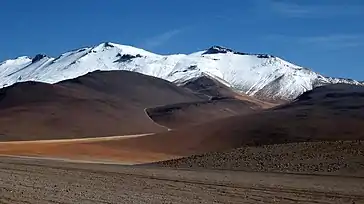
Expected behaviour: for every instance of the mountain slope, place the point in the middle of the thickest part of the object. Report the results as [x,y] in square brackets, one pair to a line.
[180,115]
[328,113]
[216,88]
[96,104]
[264,76]
[223,102]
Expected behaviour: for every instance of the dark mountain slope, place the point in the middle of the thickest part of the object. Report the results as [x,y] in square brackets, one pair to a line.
[97,104]
[329,113]
[223,102]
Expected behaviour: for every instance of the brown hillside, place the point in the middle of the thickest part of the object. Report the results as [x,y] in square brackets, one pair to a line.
[97,104]
[329,113]
[224,102]
[180,115]
[213,88]
[318,117]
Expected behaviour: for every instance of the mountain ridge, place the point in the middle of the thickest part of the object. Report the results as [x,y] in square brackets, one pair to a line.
[263,76]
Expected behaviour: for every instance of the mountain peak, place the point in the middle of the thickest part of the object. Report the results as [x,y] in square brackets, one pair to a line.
[107,44]
[103,46]
[121,49]
[23,58]
[216,49]
[16,60]
[38,57]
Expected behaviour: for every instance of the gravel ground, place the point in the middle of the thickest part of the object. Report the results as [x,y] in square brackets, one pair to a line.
[43,181]
[341,157]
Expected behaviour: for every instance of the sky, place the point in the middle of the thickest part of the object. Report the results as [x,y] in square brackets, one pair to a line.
[324,35]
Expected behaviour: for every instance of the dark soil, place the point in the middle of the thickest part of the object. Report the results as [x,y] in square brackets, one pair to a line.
[340,158]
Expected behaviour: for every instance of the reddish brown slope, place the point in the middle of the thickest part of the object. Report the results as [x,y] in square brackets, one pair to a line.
[208,86]
[325,114]
[224,102]
[97,104]
[181,115]
[330,113]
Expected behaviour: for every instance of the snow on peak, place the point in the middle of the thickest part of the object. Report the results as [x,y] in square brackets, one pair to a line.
[125,49]
[18,60]
[23,58]
[260,75]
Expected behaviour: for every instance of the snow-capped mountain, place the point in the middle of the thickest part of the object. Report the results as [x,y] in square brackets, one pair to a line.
[259,75]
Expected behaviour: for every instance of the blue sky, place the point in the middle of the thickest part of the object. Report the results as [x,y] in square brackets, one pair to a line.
[326,35]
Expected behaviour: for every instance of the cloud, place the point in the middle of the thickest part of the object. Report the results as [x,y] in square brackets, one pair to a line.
[289,9]
[162,38]
[295,10]
[333,41]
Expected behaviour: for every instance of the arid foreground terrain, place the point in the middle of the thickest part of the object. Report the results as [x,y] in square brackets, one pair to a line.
[47,181]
